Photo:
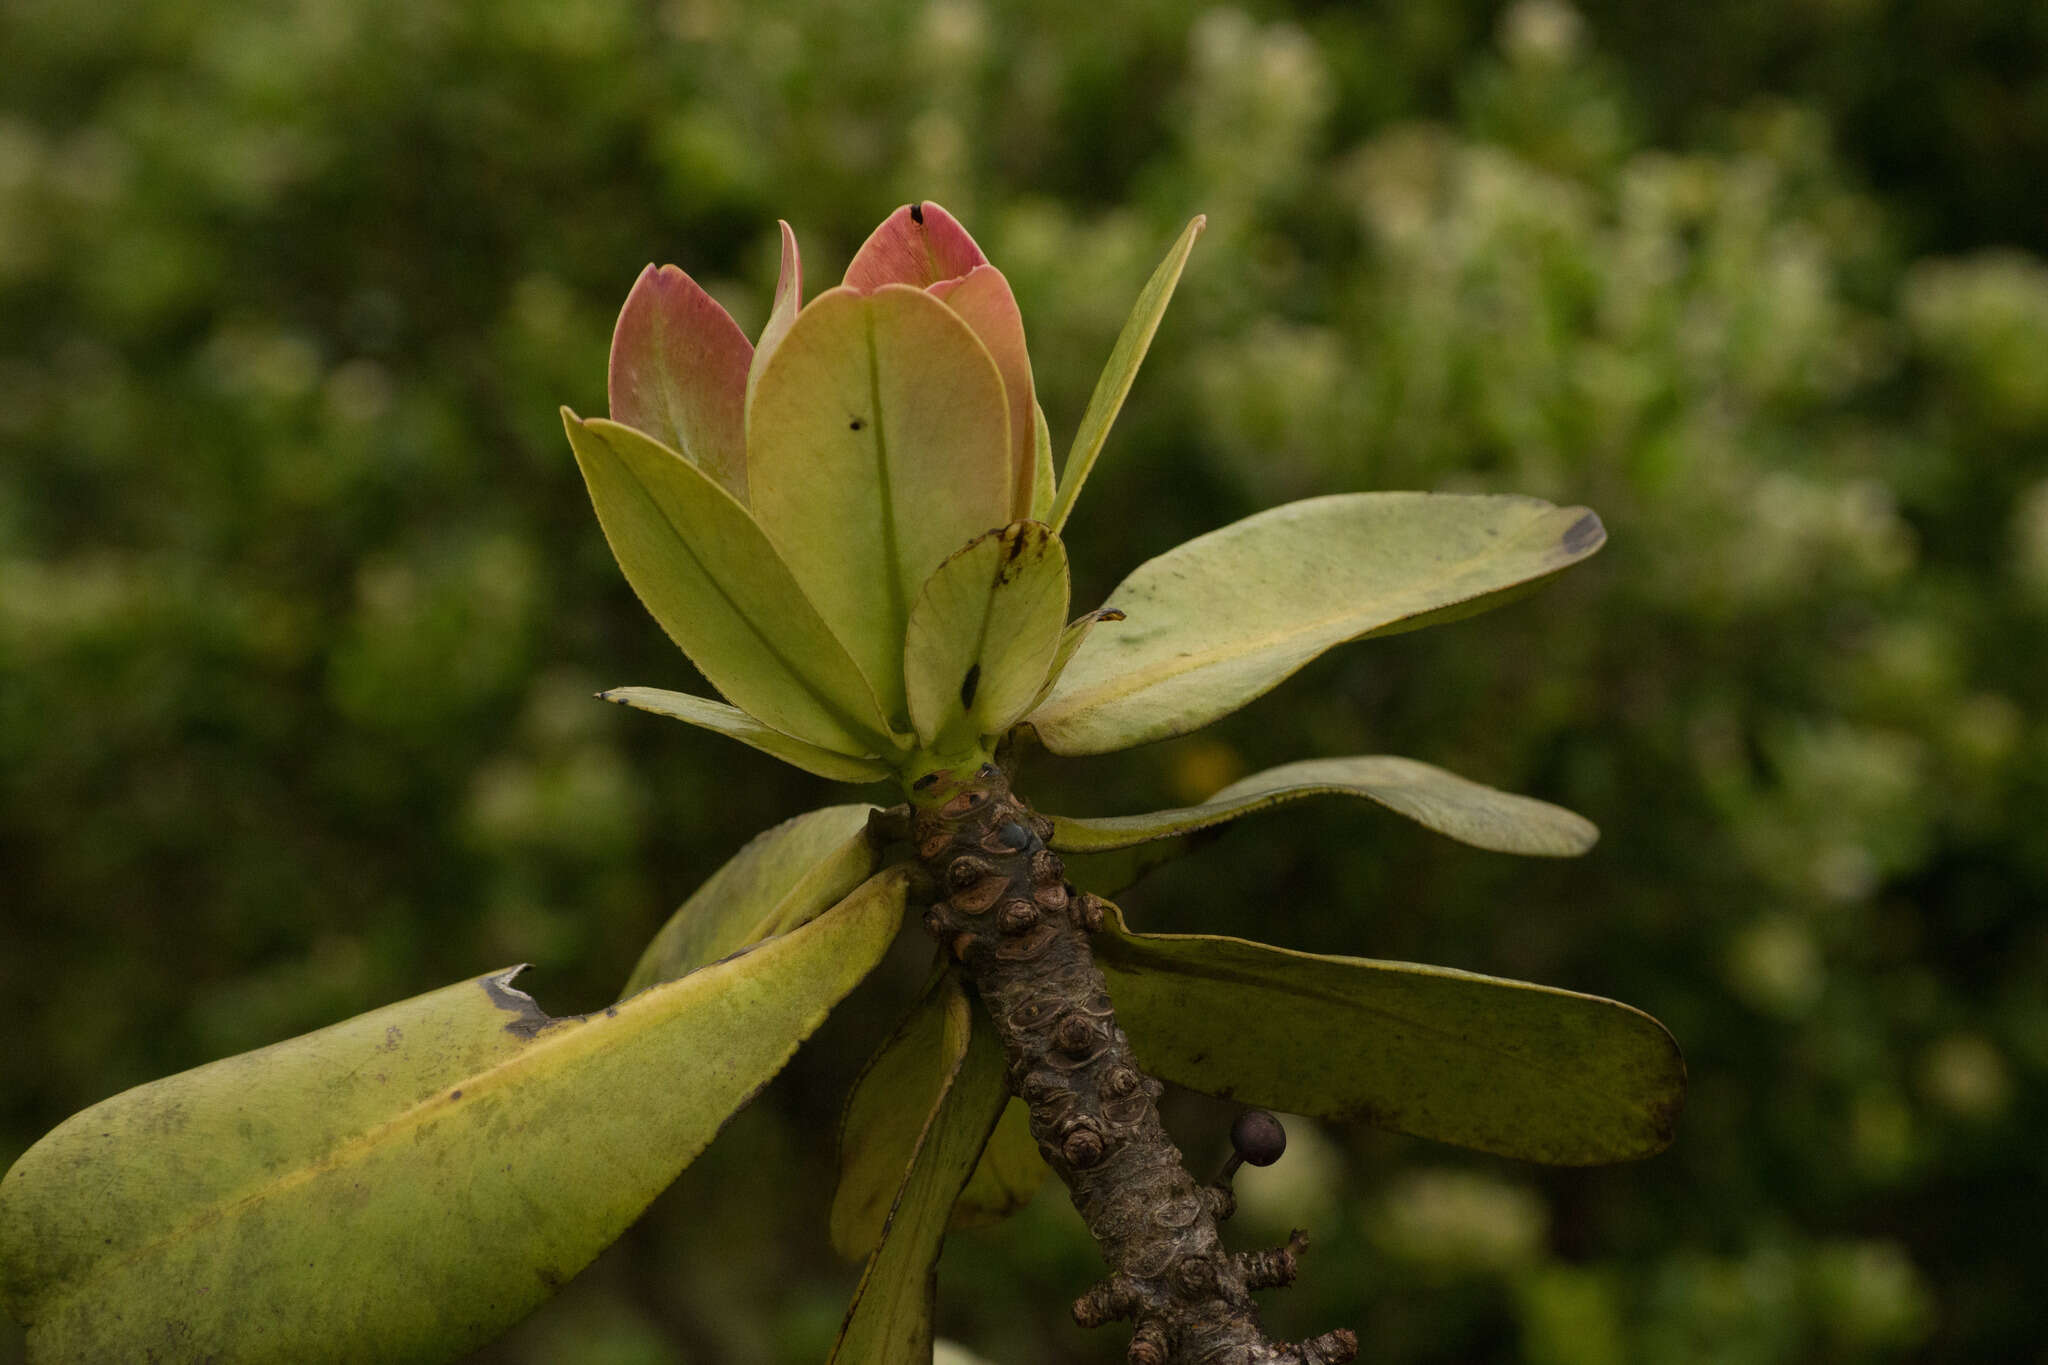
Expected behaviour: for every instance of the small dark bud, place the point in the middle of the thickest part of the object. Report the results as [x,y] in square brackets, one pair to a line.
[1082,1148]
[1017,916]
[1258,1137]
[1076,1035]
[935,922]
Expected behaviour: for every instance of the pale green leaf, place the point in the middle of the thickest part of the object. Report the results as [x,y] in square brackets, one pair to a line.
[1070,642]
[1041,465]
[736,724]
[789,298]
[1449,804]
[408,1184]
[1502,1066]
[982,633]
[1222,619]
[1009,1173]
[1124,359]
[783,878]
[890,1322]
[878,444]
[712,579]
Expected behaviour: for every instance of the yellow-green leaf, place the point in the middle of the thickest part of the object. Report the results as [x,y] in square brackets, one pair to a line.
[736,724]
[890,1322]
[712,579]
[982,634]
[886,1113]
[877,444]
[782,879]
[1222,619]
[1449,804]
[405,1185]
[1124,359]
[1041,465]
[1070,641]
[1501,1066]
[1008,1174]
[789,298]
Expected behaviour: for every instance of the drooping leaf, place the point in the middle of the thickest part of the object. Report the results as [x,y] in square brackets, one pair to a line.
[711,578]
[1449,804]
[1070,642]
[737,724]
[918,245]
[679,373]
[890,1322]
[982,633]
[1008,1174]
[983,300]
[405,1185]
[878,444]
[1522,1071]
[1124,359]
[782,879]
[1111,873]
[886,1113]
[789,298]
[1222,619]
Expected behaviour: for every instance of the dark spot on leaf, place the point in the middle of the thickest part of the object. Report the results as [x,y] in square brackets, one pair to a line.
[854,425]
[969,684]
[1110,614]
[1585,533]
[917,214]
[925,783]
[611,1011]
[455,1094]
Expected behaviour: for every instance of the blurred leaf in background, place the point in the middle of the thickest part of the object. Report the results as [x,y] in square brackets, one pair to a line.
[301,607]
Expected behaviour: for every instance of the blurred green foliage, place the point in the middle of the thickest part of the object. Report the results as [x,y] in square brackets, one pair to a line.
[302,604]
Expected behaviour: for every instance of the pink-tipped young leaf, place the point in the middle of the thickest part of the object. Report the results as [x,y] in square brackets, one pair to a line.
[983,299]
[708,574]
[679,372]
[917,245]
[789,298]
[878,445]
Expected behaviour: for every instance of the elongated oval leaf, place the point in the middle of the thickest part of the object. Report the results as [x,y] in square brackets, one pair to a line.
[887,1111]
[679,373]
[1117,376]
[736,724]
[1070,643]
[1221,620]
[983,632]
[405,1185]
[711,578]
[983,300]
[789,298]
[1042,491]
[890,1322]
[783,878]
[1501,1066]
[1449,804]
[878,444]
[1008,1174]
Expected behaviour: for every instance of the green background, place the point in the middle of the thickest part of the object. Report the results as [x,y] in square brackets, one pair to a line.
[302,603]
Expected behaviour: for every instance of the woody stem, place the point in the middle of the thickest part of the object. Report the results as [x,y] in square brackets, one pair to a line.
[1002,908]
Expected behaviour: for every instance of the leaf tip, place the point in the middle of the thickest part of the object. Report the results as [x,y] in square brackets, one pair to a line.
[1584,535]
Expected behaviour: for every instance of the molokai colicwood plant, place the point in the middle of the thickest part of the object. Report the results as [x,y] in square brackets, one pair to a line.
[853,529]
